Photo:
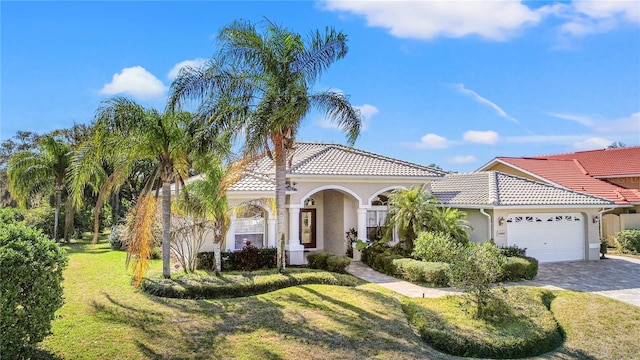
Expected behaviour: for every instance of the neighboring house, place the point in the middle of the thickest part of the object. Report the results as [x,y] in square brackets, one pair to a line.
[613,174]
[332,188]
[552,223]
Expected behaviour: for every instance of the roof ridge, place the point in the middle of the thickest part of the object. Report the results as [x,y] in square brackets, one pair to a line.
[579,165]
[310,157]
[375,155]
[493,188]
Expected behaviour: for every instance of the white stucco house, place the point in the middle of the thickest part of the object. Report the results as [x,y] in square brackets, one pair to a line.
[333,188]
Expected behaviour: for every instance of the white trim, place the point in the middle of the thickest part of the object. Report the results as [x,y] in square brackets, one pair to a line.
[393,187]
[616,176]
[364,178]
[578,206]
[594,245]
[331,187]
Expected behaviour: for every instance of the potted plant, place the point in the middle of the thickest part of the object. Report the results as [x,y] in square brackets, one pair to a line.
[603,248]
[351,238]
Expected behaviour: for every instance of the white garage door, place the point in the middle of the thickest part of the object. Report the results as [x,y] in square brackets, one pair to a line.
[548,237]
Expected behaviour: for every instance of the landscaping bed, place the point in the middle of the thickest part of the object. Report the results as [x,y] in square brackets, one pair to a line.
[521,324]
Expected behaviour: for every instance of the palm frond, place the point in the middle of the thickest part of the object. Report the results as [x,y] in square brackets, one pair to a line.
[141,239]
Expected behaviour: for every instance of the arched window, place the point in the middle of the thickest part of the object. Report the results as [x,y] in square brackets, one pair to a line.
[250,225]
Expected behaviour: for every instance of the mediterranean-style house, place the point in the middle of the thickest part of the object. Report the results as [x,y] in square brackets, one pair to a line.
[332,188]
[612,174]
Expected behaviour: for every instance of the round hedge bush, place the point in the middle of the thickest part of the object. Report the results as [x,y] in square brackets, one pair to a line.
[31,268]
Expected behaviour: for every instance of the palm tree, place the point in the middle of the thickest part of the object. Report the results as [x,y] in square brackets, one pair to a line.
[260,86]
[410,212]
[40,172]
[126,134]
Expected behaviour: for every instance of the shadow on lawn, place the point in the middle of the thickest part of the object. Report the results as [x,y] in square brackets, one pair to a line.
[302,320]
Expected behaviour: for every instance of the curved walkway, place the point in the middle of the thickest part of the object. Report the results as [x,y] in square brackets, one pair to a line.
[364,272]
[617,277]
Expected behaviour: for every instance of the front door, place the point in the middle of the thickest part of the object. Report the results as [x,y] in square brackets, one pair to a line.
[308,228]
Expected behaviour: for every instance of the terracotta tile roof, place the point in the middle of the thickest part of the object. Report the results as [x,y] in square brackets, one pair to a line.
[571,174]
[605,162]
[340,160]
[492,188]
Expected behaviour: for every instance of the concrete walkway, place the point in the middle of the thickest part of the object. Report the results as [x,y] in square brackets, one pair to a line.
[617,277]
[363,271]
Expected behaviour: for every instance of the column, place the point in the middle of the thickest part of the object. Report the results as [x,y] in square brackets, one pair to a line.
[362,231]
[271,232]
[230,237]
[295,250]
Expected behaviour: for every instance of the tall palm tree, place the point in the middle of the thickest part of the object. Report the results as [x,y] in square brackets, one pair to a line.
[126,134]
[40,172]
[259,85]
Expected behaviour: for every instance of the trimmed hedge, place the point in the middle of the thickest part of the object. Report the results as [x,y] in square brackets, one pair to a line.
[519,268]
[236,260]
[230,286]
[329,262]
[513,251]
[628,241]
[433,273]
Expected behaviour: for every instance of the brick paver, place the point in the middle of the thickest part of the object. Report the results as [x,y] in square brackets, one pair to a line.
[617,277]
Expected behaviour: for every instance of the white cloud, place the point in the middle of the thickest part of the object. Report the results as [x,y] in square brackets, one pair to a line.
[433,141]
[137,82]
[195,63]
[592,17]
[367,111]
[592,143]
[493,20]
[488,137]
[475,96]
[580,119]
[626,125]
[462,159]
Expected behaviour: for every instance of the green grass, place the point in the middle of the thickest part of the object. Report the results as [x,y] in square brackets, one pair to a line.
[105,318]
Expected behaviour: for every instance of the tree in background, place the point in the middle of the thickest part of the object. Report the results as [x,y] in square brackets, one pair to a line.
[21,141]
[616,145]
[259,86]
[410,213]
[126,134]
[41,172]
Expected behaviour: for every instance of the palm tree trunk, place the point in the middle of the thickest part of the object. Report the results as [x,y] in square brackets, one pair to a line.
[68,219]
[166,228]
[281,188]
[57,215]
[115,208]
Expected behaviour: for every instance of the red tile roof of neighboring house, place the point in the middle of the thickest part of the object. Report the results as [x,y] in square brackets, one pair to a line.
[605,163]
[572,174]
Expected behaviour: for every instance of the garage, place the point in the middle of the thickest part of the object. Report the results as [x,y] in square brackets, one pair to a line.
[548,237]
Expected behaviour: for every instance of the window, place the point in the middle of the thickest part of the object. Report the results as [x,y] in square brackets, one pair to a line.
[375,224]
[250,226]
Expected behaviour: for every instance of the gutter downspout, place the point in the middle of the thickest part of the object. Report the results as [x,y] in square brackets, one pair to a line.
[489,223]
[600,218]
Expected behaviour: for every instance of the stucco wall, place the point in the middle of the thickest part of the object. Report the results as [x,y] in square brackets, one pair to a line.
[333,221]
[629,221]
[509,170]
[479,223]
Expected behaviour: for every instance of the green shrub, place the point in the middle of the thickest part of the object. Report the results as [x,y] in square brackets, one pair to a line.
[519,268]
[628,241]
[436,247]
[117,237]
[432,273]
[338,264]
[212,287]
[475,270]
[329,262]
[31,268]
[384,263]
[43,218]
[513,251]
[370,253]
[318,260]
[10,215]
[230,262]
[156,253]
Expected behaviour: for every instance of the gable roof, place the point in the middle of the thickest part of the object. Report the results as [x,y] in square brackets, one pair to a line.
[493,188]
[570,173]
[605,163]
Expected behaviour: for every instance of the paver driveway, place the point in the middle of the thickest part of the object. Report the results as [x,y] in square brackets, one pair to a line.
[617,277]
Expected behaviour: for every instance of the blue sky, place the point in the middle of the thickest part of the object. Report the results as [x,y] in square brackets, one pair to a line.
[452,83]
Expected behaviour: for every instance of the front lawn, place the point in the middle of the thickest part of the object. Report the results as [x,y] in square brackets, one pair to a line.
[105,318]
